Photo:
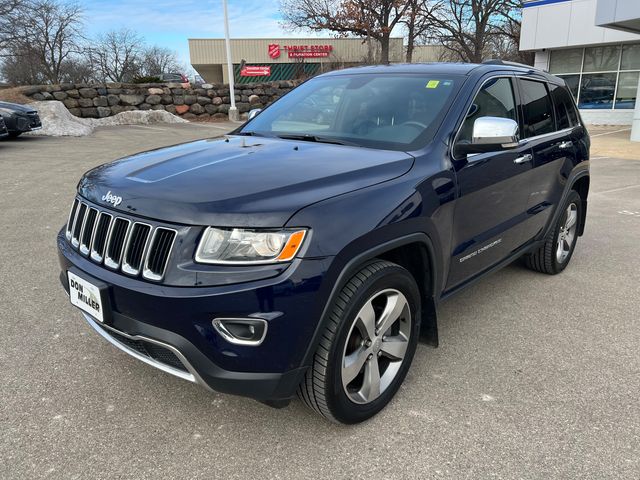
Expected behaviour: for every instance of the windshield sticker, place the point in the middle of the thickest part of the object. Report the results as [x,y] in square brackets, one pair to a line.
[433,83]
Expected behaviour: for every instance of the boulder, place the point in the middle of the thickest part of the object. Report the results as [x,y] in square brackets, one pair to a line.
[190,99]
[154,99]
[253,99]
[144,106]
[167,99]
[100,102]
[189,116]
[181,109]
[71,103]
[113,100]
[85,102]
[217,101]
[157,107]
[204,100]
[89,112]
[206,86]
[37,97]
[88,92]
[178,100]
[103,112]
[211,109]
[197,109]
[128,99]
[171,109]
[59,95]
[156,91]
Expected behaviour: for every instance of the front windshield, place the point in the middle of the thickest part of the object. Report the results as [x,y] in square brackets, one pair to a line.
[387,111]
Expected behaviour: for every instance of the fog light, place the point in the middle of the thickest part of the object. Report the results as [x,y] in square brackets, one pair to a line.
[241,331]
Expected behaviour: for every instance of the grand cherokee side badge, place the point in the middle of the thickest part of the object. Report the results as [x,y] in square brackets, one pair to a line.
[112,199]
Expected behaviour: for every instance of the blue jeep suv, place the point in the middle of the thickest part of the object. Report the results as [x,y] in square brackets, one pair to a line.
[306,252]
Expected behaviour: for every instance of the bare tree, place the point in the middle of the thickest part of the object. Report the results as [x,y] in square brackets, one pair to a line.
[48,34]
[466,28]
[10,11]
[117,55]
[365,18]
[418,21]
[157,60]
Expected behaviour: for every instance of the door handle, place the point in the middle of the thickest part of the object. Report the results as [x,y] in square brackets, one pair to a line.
[523,159]
[565,145]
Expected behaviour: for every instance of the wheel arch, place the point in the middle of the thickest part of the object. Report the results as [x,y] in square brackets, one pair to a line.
[402,251]
[581,185]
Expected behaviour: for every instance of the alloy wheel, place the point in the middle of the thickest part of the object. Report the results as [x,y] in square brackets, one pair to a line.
[567,233]
[376,346]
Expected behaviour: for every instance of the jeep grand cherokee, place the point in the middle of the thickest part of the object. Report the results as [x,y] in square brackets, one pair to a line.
[307,251]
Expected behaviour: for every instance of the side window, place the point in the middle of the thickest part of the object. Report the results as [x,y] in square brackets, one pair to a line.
[565,111]
[537,108]
[495,99]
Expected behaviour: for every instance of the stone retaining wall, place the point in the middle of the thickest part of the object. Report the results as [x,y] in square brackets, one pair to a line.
[203,102]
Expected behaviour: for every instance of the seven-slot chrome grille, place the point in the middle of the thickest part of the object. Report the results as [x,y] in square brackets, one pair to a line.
[119,243]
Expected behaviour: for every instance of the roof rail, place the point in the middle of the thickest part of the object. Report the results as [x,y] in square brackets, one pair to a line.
[497,61]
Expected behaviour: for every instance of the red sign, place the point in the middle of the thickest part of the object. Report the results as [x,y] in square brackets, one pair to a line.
[255,71]
[274,50]
[301,51]
[309,51]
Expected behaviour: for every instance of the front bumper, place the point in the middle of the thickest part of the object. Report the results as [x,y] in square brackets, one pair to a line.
[179,321]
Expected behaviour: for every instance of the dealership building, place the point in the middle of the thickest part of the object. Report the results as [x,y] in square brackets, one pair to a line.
[595,46]
[267,59]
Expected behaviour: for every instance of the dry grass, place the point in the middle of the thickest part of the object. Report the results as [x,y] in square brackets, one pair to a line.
[14,95]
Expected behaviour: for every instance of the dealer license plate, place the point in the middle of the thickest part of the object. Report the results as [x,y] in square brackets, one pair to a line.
[85,296]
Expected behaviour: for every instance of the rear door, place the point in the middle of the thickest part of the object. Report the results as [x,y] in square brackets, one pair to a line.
[549,121]
[492,187]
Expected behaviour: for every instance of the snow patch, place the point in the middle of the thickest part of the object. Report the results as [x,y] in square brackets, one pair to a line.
[57,121]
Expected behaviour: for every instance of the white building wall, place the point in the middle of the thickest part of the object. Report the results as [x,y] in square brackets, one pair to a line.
[570,23]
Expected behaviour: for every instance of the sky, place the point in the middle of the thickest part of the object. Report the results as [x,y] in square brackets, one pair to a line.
[169,23]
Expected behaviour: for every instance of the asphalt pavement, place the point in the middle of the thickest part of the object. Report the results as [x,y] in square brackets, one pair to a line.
[537,377]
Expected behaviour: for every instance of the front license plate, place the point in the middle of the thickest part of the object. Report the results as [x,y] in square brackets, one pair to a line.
[85,296]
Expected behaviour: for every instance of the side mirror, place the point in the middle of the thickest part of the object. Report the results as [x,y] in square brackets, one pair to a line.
[254,113]
[491,134]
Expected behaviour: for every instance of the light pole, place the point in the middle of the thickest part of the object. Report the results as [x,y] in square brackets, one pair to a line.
[233,111]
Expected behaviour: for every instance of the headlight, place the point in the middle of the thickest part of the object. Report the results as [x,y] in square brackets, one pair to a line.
[238,246]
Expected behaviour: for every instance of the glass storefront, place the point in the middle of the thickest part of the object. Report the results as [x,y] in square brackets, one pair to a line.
[600,78]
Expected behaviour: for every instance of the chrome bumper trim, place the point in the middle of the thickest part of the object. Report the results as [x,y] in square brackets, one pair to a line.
[191,376]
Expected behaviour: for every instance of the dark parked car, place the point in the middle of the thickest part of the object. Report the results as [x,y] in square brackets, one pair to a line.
[309,253]
[3,129]
[173,77]
[19,118]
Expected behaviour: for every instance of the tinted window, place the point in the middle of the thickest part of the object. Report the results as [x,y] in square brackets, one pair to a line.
[388,111]
[495,99]
[566,116]
[537,107]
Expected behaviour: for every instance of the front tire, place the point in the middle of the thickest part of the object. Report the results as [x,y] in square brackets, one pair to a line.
[553,257]
[367,346]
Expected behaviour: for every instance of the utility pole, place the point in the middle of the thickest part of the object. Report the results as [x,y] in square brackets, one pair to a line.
[233,111]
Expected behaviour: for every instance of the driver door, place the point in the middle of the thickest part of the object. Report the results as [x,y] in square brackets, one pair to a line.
[492,190]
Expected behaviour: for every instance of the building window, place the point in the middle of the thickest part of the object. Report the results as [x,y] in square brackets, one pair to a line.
[627,90]
[600,77]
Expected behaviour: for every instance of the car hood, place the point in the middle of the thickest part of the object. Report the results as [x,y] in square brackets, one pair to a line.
[17,107]
[237,181]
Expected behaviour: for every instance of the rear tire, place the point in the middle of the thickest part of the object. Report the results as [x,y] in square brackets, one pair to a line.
[559,244]
[367,347]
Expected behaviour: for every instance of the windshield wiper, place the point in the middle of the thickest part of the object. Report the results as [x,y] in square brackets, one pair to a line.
[317,138]
[252,133]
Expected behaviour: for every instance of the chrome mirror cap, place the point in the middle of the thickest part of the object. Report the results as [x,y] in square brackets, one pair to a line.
[495,131]
[254,113]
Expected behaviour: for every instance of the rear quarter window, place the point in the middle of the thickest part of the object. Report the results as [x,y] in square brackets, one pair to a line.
[566,115]
[537,108]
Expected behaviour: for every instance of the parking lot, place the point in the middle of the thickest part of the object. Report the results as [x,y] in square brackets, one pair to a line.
[537,377]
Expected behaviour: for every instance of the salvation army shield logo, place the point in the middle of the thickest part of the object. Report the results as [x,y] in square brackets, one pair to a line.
[274,50]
